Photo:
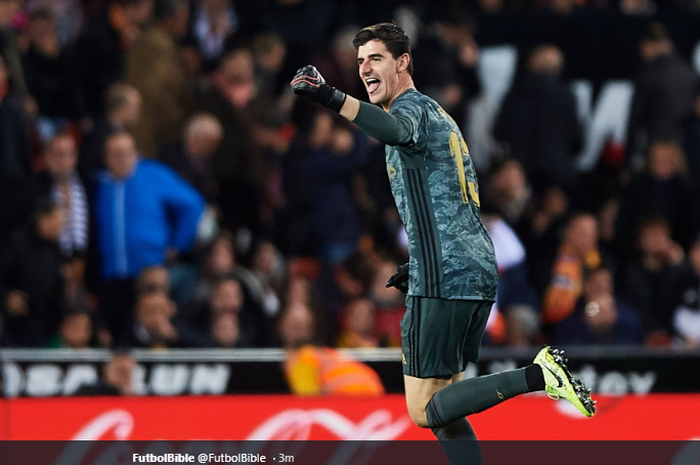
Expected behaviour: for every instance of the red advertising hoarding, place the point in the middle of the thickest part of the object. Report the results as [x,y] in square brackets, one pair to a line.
[652,417]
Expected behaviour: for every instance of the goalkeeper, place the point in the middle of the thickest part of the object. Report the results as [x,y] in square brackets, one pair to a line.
[451,274]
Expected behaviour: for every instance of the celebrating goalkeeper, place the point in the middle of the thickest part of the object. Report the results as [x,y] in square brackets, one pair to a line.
[451,273]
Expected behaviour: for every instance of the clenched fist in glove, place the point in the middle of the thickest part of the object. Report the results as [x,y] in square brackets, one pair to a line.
[309,82]
[400,279]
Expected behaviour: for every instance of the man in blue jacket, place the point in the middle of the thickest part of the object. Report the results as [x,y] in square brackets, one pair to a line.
[143,212]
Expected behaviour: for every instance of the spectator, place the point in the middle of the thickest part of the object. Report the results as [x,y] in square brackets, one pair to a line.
[539,122]
[644,277]
[600,317]
[509,191]
[691,141]
[144,214]
[213,21]
[352,281]
[578,252]
[450,47]
[122,113]
[155,328]
[192,286]
[154,67]
[354,278]
[539,229]
[116,314]
[10,50]
[515,298]
[389,303]
[607,216]
[270,52]
[228,297]
[14,149]
[682,300]
[328,153]
[268,267]
[103,45]
[303,290]
[75,330]
[164,203]
[663,96]
[117,379]
[67,13]
[313,370]
[191,158]
[53,74]
[241,165]
[358,329]
[61,182]
[31,284]
[663,191]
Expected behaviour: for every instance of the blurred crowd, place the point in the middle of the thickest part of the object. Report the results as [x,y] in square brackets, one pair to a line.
[160,185]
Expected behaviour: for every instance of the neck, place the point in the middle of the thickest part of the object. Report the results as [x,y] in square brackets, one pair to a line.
[404,85]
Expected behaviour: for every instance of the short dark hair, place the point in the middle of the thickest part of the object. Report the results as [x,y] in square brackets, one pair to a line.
[391,35]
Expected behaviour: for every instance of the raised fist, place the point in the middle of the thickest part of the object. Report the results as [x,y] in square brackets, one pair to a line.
[309,83]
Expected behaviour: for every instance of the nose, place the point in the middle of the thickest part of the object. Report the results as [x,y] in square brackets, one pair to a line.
[365,68]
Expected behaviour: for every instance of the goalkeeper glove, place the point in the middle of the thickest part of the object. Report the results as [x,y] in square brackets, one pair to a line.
[400,279]
[309,82]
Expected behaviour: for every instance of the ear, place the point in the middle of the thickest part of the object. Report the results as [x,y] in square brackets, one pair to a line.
[403,62]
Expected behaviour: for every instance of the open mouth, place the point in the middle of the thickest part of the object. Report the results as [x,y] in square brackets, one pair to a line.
[372,85]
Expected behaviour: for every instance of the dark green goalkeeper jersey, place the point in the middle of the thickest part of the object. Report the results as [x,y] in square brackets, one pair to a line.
[437,194]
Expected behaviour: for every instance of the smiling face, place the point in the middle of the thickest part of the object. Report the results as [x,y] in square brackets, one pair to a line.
[384,76]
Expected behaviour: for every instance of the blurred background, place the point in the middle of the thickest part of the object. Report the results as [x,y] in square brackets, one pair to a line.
[173,221]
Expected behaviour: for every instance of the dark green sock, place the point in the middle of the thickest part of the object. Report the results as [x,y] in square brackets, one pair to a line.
[459,429]
[474,395]
[459,442]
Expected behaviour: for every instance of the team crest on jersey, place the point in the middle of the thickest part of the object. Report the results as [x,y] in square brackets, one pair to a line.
[391,171]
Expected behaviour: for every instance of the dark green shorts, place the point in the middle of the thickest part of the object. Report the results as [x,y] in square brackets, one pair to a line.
[440,336]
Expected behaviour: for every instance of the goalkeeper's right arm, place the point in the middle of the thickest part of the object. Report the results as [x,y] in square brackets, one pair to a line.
[373,121]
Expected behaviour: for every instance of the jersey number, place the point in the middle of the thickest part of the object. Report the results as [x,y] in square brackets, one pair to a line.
[459,150]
